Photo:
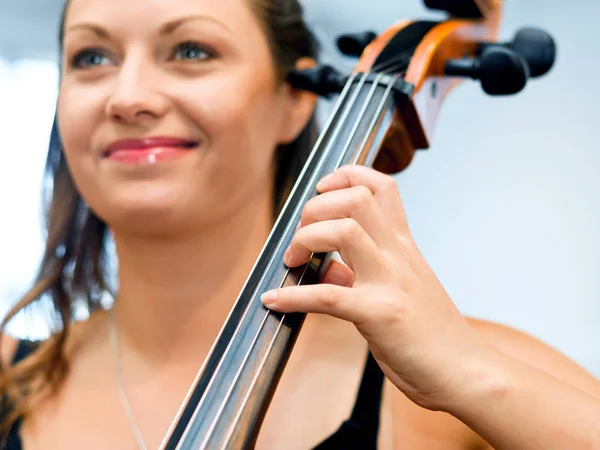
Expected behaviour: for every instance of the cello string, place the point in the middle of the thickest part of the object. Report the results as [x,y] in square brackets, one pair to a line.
[328,148]
[261,366]
[400,67]
[379,111]
[331,145]
[329,124]
[361,115]
[375,119]
[346,149]
[344,153]
[402,59]
[399,57]
[233,383]
[400,63]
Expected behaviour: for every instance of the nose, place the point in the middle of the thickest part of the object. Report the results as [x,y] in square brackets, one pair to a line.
[136,97]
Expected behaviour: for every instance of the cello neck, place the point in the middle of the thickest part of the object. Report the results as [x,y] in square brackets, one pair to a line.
[230,396]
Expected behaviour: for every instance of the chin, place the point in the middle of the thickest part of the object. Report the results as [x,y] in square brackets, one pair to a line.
[142,221]
[152,214]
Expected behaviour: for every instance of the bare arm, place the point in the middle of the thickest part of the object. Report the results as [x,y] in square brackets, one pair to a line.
[528,396]
[505,387]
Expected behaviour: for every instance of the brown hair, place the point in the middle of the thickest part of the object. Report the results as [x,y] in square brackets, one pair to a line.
[74,269]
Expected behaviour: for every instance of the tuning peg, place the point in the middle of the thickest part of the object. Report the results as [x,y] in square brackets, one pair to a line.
[537,48]
[322,80]
[500,70]
[354,44]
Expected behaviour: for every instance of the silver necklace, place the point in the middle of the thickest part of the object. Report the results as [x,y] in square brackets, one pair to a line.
[114,343]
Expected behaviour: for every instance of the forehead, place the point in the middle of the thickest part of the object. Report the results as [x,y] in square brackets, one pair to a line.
[147,15]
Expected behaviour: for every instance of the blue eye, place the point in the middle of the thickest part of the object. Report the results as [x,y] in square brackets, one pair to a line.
[89,58]
[192,51]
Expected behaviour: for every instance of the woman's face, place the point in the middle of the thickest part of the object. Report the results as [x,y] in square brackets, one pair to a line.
[170,110]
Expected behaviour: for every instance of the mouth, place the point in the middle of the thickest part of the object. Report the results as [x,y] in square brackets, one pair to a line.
[148,150]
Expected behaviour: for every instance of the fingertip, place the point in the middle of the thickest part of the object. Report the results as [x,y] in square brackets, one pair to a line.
[324,183]
[286,255]
[269,299]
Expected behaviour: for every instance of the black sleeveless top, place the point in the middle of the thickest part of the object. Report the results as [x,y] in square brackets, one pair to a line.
[359,431]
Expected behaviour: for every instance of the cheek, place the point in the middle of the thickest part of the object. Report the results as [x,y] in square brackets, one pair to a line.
[240,115]
[79,112]
[241,119]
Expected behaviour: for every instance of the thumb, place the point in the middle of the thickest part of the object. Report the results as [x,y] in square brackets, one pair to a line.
[339,274]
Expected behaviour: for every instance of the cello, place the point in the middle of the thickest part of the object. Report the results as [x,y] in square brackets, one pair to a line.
[386,110]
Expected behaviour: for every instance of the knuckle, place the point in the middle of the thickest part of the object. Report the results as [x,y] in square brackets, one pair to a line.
[361,195]
[309,211]
[301,239]
[331,298]
[388,182]
[346,168]
[405,239]
[349,229]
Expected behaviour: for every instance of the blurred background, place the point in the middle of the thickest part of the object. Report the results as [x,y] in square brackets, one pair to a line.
[504,205]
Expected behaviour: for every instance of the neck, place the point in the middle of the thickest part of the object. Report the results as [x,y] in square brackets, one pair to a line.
[175,294]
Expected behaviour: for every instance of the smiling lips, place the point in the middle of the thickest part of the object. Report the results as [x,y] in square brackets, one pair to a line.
[148,150]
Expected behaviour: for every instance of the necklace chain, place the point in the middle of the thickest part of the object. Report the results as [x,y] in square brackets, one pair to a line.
[114,344]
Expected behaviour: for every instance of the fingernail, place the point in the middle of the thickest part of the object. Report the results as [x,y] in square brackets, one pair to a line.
[286,255]
[269,298]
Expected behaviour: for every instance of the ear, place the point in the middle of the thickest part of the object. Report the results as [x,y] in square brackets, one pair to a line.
[299,106]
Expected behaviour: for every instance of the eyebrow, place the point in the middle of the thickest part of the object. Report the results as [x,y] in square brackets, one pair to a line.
[166,29]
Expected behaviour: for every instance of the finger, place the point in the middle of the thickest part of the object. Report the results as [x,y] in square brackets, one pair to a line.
[357,203]
[384,189]
[338,274]
[328,299]
[345,236]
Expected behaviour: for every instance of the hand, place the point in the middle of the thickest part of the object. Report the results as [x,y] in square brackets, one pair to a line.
[419,338]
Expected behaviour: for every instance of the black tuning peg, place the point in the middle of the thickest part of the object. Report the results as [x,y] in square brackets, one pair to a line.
[354,44]
[535,46]
[322,80]
[501,71]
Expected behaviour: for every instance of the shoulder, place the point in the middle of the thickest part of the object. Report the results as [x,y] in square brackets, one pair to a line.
[535,352]
[81,335]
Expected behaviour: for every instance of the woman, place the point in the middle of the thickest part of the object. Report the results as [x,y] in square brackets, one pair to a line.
[179,134]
